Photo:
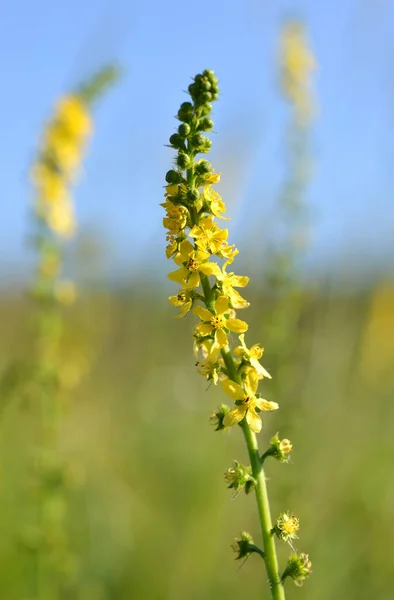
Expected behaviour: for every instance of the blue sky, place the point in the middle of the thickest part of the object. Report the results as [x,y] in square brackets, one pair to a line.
[48,47]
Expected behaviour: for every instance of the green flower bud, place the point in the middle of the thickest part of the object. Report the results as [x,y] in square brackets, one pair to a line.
[205,97]
[209,74]
[299,567]
[205,124]
[206,109]
[173,176]
[184,130]
[192,196]
[217,417]
[206,84]
[245,546]
[279,449]
[185,113]
[194,90]
[238,476]
[183,160]
[176,141]
[203,167]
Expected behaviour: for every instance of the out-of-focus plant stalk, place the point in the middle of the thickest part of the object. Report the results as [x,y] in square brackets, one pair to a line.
[54,174]
[296,65]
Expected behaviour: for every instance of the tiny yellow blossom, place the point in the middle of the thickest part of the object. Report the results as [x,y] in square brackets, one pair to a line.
[176,217]
[72,112]
[183,300]
[227,283]
[50,185]
[215,202]
[252,355]
[172,246]
[213,178]
[208,235]
[191,261]
[209,366]
[247,403]
[218,323]
[61,220]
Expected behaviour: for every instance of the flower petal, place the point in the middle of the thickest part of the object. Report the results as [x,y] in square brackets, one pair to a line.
[186,249]
[203,313]
[210,268]
[221,306]
[236,325]
[193,281]
[221,338]
[266,404]
[234,416]
[178,275]
[204,328]
[233,389]
[254,421]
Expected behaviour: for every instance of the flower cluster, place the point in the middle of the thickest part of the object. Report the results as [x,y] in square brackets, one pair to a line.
[62,146]
[297,64]
[201,251]
[203,255]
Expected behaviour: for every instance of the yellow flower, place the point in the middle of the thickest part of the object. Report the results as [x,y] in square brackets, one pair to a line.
[50,185]
[228,252]
[176,217]
[213,178]
[209,366]
[208,235]
[172,246]
[184,300]
[227,282]
[192,261]
[215,202]
[61,220]
[247,403]
[218,323]
[66,150]
[252,355]
[71,111]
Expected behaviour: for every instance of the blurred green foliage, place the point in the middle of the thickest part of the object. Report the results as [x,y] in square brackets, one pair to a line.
[150,514]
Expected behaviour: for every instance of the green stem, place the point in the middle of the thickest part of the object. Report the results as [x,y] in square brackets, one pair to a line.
[269,554]
[271,560]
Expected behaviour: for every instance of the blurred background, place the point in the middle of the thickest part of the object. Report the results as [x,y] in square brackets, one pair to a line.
[309,196]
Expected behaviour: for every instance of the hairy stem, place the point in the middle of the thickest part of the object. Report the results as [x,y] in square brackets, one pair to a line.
[271,560]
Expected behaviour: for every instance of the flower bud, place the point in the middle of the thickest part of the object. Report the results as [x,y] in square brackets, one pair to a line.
[184,130]
[173,176]
[217,417]
[205,124]
[206,109]
[279,449]
[203,167]
[185,113]
[299,567]
[176,141]
[192,196]
[286,527]
[238,476]
[245,546]
[183,160]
